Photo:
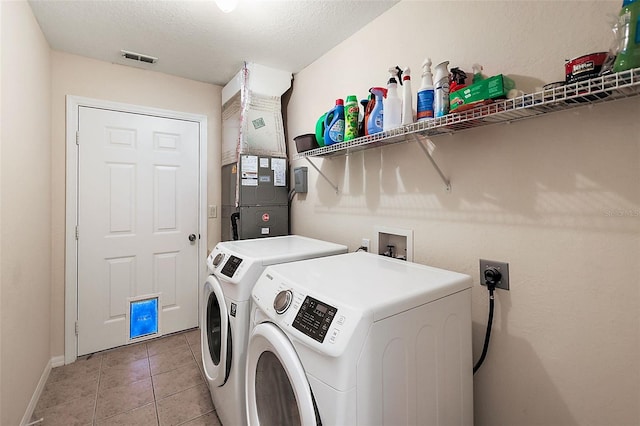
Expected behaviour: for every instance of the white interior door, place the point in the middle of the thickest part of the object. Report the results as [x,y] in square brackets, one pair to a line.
[137,207]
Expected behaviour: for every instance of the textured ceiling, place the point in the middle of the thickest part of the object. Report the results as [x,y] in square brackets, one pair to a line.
[196,40]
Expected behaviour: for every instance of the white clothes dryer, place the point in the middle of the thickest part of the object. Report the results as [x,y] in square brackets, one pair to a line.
[234,267]
[360,339]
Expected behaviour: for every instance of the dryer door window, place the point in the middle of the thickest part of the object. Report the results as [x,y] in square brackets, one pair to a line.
[275,399]
[216,344]
[214,328]
[278,391]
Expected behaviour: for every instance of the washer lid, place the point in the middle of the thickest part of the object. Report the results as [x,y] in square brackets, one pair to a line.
[370,284]
[274,250]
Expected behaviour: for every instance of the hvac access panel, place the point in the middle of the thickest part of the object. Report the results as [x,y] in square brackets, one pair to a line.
[314,318]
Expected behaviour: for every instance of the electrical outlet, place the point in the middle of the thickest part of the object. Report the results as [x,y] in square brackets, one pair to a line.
[488,267]
[365,243]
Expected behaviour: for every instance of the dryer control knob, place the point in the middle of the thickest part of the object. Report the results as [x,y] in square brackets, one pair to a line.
[282,301]
[218,259]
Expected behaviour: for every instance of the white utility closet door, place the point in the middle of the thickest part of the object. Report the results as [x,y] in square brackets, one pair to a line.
[137,208]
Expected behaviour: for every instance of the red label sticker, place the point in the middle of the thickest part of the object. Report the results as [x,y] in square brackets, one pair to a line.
[265,217]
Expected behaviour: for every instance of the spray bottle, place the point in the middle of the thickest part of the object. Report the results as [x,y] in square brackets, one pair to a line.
[457,80]
[425,94]
[441,90]
[392,103]
[407,103]
[477,73]
[376,110]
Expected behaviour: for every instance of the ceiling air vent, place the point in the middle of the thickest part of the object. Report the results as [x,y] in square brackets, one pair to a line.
[138,57]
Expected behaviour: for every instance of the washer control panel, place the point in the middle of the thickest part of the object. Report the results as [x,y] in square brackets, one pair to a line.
[231,266]
[314,318]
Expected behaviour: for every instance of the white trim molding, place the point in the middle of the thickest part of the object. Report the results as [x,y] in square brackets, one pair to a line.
[71,261]
[26,419]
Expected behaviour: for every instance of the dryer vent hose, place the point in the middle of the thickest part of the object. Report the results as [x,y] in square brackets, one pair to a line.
[234,225]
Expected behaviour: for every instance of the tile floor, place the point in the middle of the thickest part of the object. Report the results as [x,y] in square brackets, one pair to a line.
[157,382]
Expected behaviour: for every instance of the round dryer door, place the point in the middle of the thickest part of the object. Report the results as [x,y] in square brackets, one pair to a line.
[277,389]
[215,334]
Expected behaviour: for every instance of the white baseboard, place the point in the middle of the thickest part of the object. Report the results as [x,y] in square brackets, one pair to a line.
[57,361]
[53,362]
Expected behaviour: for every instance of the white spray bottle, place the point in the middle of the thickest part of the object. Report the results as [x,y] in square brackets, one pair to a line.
[392,104]
[425,94]
[407,103]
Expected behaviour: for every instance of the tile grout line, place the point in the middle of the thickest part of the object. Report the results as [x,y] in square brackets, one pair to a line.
[153,386]
[204,379]
[182,366]
[199,384]
[95,403]
[102,365]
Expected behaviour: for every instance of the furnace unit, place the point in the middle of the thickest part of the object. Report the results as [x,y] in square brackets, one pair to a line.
[254,155]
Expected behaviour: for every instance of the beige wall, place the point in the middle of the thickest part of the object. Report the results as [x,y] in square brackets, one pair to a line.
[79,76]
[557,197]
[25,209]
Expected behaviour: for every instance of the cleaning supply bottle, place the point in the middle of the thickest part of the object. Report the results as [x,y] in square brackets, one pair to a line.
[425,94]
[320,129]
[351,111]
[477,73]
[407,103]
[368,109]
[362,117]
[629,22]
[457,80]
[334,124]
[376,110]
[441,90]
[392,117]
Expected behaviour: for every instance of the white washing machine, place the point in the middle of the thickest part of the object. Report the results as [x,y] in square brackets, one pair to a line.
[360,339]
[234,267]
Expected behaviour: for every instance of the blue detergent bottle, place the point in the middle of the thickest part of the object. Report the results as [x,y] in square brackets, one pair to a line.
[374,121]
[334,124]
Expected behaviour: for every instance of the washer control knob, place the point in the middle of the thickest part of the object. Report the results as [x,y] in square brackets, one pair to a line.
[218,259]
[282,301]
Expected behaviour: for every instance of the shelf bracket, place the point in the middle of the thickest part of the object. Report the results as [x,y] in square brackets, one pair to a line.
[425,149]
[322,174]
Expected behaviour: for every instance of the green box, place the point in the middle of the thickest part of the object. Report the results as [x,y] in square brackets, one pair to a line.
[489,88]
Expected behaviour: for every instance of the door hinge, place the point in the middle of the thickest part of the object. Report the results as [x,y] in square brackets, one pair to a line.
[77,328]
[77,138]
[77,233]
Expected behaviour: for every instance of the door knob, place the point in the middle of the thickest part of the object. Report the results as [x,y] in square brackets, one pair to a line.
[192,237]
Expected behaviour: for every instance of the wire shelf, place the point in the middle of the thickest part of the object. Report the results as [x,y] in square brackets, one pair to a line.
[606,88]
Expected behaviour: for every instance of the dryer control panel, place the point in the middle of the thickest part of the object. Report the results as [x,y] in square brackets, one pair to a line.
[231,266]
[314,318]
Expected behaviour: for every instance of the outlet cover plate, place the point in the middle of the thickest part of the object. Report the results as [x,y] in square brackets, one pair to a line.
[503,267]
